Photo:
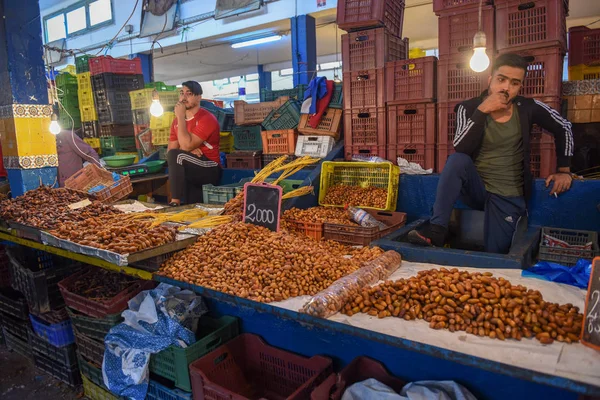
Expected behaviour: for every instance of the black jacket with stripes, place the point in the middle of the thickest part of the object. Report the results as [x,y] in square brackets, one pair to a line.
[470,128]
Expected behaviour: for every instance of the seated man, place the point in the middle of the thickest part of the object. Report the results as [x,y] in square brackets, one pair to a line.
[490,170]
[193,151]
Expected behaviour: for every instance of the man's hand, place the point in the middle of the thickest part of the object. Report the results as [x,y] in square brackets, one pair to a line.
[562,182]
[180,110]
[494,102]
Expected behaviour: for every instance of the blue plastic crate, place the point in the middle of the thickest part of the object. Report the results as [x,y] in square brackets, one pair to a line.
[156,391]
[59,335]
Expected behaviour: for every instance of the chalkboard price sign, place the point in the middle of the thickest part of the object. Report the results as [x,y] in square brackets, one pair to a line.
[262,205]
[590,334]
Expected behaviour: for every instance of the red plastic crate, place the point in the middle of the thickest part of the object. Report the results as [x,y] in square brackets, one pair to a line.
[365,127]
[450,5]
[371,49]
[544,71]
[102,64]
[411,123]
[523,24]
[584,46]
[458,26]
[245,160]
[279,141]
[443,151]
[364,89]
[360,14]
[542,159]
[457,81]
[364,152]
[412,80]
[422,154]
[446,123]
[248,368]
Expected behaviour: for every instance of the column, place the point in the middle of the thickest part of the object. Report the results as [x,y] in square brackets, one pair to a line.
[147,66]
[304,48]
[264,78]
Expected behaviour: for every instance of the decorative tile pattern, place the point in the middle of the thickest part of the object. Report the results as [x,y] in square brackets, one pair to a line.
[31,162]
[580,88]
[26,111]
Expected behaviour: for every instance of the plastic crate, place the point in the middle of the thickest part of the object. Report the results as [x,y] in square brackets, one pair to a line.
[584,46]
[311,229]
[530,25]
[91,349]
[91,371]
[111,115]
[411,80]
[212,194]
[252,114]
[112,98]
[268,158]
[285,117]
[84,81]
[411,124]
[451,5]
[360,369]
[94,308]
[110,81]
[72,122]
[422,154]
[17,327]
[82,63]
[95,328]
[161,136]
[279,141]
[458,26]
[141,117]
[360,14]
[287,185]
[37,260]
[566,256]
[107,64]
[64,355]
[314,146]
[116,130]
[293,93]
[67,374]
[364,89]
[118,143]
[365,127]
[371,49]
[329,125]
[544,71]
[247,368]
[65,79]
[173,362]
[91,176]
[156,391]
[160,86]
[583,73]
[86,98]
[247,138]
[88,114]
[382,175]
[163,122]
[59,334]
[17,345]
[245,160]
[446,123]
[457,81]
[95,392]
[542,159]
[89,129]
[359,235]
[360,152]
[337,98]
[142,99]
[226,142]
[162,153]
[13,303]
[94,143]
[226,120]
[40,287]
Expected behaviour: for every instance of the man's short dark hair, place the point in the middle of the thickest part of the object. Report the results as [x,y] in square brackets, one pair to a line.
[194,87]
[510,60]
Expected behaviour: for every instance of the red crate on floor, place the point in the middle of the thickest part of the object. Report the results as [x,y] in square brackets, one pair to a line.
[102,64]
[457,81]
[584,46]
[457,27]
[371,49]
[544,71]
[422,154]
[353,15]
[451,5]
[364,88]
[245,160]
[522,25]
[364,152]
[365,127]
[279,141]
[542,159]
[411,123]
[411,80]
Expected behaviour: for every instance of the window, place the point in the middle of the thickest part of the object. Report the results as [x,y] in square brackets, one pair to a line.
[81,17]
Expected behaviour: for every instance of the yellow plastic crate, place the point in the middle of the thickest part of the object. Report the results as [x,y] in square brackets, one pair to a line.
[128,153]
[160,136]
[162,122]
[583,72]
[363,174]
[70,69]
[94,142]
[84,81]
[86,98]
[141,99]
[226,142]
[88,114]
[95,392]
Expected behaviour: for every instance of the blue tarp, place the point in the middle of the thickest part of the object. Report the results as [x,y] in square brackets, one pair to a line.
[578,275]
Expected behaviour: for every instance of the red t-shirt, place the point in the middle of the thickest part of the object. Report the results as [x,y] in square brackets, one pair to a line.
[206,127]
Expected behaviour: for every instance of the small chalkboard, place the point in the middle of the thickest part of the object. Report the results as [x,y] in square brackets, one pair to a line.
[262,205]
[590,334]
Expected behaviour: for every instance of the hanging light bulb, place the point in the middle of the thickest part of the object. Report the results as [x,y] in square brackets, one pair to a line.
[480,60]
[54,126]
[156,109]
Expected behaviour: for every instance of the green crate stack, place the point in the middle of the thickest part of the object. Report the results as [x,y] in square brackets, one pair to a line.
[69,114]
[111,145]
[82,64]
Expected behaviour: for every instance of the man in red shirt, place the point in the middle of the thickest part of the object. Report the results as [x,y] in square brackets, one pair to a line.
[193,152]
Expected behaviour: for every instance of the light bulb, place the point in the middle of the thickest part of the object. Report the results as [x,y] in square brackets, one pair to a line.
[480,60]
[156,109]
[54,126]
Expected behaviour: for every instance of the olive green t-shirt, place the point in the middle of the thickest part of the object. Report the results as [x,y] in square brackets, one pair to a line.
[500,158]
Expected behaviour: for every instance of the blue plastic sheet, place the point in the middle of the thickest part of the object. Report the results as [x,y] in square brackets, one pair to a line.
[155,320]
[577,275]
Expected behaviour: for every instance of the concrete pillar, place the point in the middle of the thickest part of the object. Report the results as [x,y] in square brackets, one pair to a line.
[147,66]
[264,78]
[304,48]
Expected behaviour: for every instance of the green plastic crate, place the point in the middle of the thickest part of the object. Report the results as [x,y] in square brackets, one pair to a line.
[285,117]
[65,79]
[337,100]
[271,95]
[212,194]
[173,362]
[67,123]
[82,64]
[159,86]
[117,143]
[287,184]
[95,328]
[247,138]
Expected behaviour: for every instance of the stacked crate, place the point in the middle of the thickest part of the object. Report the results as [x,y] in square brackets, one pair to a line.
[373,38]
[69,115]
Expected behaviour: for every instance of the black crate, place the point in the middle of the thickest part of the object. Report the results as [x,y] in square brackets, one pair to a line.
[113,98]
[17,345]
[16,327]
[69,375]
[95,328]
[111,115]
[65,355]
[117,82]
[116,130]
[13,303]
[141,117]
[90,129]
[568,256]
[37,260]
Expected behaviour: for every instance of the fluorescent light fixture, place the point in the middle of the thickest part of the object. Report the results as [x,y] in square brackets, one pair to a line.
[330,65]
[254,42]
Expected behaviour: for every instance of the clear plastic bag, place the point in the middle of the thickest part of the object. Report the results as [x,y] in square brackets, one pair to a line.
[331,300]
